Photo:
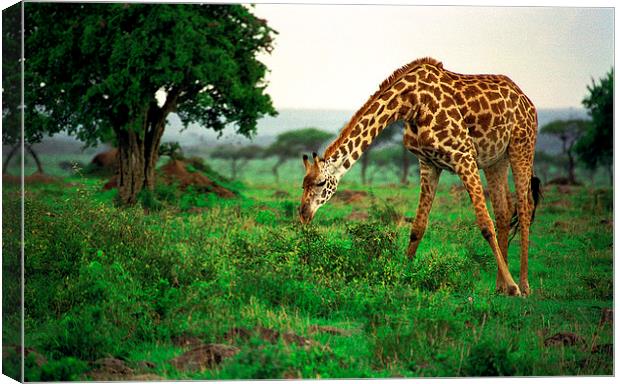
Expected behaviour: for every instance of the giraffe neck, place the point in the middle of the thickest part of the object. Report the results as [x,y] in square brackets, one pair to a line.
[384,108]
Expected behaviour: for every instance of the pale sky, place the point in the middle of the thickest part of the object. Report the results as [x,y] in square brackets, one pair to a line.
[335,56]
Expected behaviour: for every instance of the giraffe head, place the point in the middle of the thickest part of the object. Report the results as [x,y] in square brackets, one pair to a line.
[319,185]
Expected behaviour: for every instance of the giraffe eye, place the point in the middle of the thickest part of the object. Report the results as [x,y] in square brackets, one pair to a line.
[322,183]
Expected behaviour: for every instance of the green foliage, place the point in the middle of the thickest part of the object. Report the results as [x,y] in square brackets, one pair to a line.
[293,144]
[172,150]
[64,369]
[596,146]
[489,359]
[124,283]
[11,79]
[97,67]
[238,155]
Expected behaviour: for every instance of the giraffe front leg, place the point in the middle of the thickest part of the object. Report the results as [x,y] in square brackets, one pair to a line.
[429,176]
[467,170]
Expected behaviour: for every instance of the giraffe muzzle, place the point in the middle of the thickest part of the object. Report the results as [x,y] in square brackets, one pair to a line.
[305,214]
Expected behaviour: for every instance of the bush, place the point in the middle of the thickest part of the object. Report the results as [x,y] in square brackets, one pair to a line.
[489,359]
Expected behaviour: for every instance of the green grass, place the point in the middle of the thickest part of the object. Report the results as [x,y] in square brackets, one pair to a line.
[104,281]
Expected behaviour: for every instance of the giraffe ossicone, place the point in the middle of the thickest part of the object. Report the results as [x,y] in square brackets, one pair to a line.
[456,122]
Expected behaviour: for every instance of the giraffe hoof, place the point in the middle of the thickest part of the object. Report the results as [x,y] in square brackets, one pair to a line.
[513,290]
[525,289]
[500,287]
[411,250]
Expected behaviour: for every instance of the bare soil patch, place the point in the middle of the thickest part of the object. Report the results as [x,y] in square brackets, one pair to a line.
[270,335]
[348,196]
[35,178]
[329,330]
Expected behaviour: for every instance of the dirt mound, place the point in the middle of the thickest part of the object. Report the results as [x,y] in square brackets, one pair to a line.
[203,357]
[357,216]
[349,196]
[607,316]
[112,183]
[106,160]
[176,171]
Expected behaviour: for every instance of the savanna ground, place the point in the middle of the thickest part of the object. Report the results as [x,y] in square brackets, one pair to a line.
[200,287]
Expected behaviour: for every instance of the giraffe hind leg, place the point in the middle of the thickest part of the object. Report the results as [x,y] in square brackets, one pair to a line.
[497,180]
[521,159]
[467,170]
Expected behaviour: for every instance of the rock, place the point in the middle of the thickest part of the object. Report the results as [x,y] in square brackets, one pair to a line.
[564,338]
[109,368]
[204,357]
[185,341]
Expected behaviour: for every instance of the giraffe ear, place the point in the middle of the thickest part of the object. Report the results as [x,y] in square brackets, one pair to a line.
[306,162]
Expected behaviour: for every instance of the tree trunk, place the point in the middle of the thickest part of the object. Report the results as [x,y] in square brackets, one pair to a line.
[14,149]
[571,168]
[275,167]
[138,152]
[35,157]
[131,166]
[364,161]
[233,169]
[406,164]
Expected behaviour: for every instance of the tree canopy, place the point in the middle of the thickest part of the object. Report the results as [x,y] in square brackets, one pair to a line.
[94,70]
[568,131]
[294,143]
[238,155]
[94,67]
[596,146]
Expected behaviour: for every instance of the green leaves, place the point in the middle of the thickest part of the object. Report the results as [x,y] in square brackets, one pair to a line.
[295,142]
[596,145]
[103,63]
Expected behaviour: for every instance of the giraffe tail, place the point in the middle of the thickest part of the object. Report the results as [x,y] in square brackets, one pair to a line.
[537,195]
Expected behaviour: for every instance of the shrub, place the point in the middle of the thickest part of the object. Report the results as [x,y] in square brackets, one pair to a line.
[489,359]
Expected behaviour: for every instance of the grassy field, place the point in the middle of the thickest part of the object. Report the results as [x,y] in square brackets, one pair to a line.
[209,288]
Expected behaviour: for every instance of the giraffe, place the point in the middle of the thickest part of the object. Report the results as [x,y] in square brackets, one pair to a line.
[454,122]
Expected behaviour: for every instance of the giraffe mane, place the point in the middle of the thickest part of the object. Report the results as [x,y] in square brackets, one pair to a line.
[387,83]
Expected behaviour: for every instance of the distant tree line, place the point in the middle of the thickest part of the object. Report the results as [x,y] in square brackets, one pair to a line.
[586,142]
[385,154]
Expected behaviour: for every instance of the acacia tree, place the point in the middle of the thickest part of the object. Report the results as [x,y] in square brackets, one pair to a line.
[568,131]
[384,138]
[596,145]
[293,144]
[94,70]
[238,155]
